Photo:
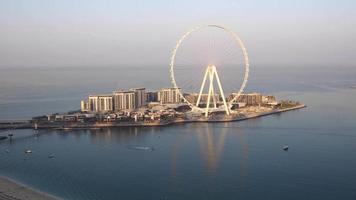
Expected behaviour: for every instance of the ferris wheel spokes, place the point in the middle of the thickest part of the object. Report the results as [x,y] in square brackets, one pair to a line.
[211,74]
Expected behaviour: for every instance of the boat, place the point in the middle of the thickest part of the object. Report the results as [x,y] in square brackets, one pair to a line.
[143,148]
[51,155]
[285,148]
[7,151]
[28,151]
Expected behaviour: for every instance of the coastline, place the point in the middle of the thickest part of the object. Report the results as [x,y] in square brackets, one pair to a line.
[77,126]
[99,125]
[14,190]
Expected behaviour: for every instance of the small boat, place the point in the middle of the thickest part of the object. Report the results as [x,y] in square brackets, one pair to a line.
[51,155]
[28,151]
[285,147]
[7,151]
[142,148]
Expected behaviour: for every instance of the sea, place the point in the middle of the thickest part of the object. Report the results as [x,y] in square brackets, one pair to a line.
[234,160]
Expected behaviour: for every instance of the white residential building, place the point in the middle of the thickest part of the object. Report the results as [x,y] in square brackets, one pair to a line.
[124,100]
[100,103]
[169,95]
[140,96]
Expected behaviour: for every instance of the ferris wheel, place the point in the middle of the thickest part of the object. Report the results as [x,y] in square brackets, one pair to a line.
[213,50]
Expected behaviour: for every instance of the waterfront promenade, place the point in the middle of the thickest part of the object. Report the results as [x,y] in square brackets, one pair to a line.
[12,190]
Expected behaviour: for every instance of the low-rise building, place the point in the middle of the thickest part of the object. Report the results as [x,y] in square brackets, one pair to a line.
[191,97]
[269,100]
[251,99]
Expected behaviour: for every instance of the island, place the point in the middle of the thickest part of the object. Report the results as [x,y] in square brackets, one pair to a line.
[137,108]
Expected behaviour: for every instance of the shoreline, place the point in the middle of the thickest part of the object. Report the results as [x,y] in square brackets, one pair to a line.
[11,189]
[100,125]
[169,123]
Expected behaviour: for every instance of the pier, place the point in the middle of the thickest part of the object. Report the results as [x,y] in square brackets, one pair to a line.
[15,124]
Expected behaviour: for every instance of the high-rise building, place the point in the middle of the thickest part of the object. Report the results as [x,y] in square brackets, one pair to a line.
[93,103]
[84,106]
[169,95]
[100,103]
[105,103]
[140,96]
[124,100]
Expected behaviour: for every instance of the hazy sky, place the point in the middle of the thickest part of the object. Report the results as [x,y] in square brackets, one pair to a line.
[137,32]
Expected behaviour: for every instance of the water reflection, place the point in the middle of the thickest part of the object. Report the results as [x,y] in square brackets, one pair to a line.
[210,150]
[245,151]
[212,140]
[120,134]
[211,145]
[175,154]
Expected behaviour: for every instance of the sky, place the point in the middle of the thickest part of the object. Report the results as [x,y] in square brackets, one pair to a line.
[67,33]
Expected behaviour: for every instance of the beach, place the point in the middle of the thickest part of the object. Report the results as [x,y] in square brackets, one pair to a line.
[12,190]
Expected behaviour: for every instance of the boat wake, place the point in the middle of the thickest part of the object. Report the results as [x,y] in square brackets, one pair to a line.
[141,148]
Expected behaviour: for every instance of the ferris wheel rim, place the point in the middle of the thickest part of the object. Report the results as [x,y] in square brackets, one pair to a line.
[236,39]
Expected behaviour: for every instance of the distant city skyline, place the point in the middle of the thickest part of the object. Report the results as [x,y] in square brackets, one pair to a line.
[116,33]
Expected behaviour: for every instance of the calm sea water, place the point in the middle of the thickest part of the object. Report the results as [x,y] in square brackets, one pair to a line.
[238,160]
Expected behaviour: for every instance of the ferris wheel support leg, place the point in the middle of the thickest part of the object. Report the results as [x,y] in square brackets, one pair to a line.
[202,87]
[211,80]
[214,97]
[211,88]
[221,91]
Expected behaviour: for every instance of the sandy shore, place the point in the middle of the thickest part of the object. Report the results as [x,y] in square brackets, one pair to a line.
[12,190]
